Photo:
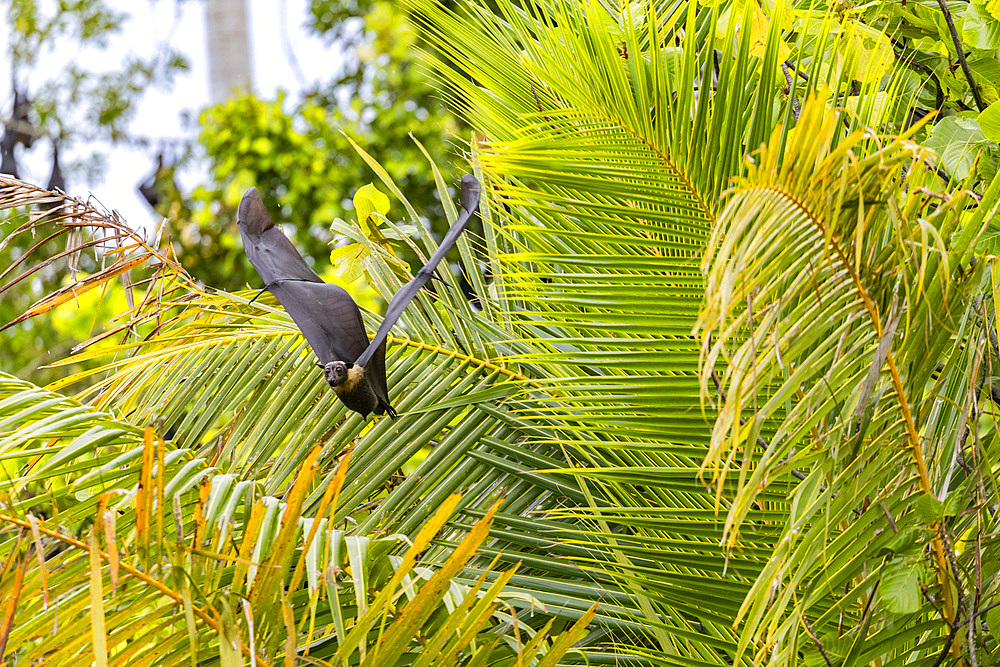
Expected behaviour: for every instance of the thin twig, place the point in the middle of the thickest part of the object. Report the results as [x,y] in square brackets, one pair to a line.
[955,625]
[760,441]
[947,645]
[961,55]
[951,561]
[978,553]
[796,109]
[790,65]
[538,102]
[959,457]
[763,443]
[979,612]
[892,522]
[819,644]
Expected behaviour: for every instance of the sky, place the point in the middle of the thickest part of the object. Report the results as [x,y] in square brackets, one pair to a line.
[283,54]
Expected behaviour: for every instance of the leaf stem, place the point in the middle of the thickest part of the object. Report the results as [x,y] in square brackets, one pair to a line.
[437,349]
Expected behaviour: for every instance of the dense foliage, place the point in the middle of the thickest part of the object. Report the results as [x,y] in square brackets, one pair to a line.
[726,397]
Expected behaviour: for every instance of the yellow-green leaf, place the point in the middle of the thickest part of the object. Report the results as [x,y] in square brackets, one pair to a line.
[368,200]
[993,7]
[347,261]
[416,612]
[264,589]
[866,53]
[98,633]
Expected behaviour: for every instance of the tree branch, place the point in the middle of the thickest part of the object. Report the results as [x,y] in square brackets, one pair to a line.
[961,56]
[796,110]
[955,625]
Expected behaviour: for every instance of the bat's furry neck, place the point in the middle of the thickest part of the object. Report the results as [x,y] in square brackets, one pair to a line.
[355,378]
[356,391]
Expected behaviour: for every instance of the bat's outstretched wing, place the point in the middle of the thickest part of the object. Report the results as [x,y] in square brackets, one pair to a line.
[270,252]
[471,192]
[326,314]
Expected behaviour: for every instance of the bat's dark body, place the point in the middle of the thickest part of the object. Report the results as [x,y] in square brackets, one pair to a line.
[326,314]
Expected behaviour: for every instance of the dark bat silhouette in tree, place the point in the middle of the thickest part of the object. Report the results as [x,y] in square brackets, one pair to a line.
[326,314]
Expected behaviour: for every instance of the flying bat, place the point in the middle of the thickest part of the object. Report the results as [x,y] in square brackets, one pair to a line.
[326,314]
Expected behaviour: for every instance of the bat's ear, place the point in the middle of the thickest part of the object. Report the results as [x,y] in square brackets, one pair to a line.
[252,216]
[471,191]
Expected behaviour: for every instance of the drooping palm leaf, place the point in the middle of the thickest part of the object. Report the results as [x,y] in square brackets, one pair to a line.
[841,285]
[231,384]
[219,557]
[609,196]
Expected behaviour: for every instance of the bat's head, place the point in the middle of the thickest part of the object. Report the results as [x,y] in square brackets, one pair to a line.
[337,372]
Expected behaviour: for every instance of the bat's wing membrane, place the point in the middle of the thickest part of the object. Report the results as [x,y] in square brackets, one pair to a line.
[375,372]
[471,192]
[331,321]
[270,252]
[327,316]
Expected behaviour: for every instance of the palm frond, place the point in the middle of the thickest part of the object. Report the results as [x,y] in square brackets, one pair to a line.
[611,152]
[86,227]
[222,578]
[581,393]
[231,384]
[838,283]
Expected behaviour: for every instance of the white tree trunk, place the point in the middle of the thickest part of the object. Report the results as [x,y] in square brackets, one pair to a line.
[228,48]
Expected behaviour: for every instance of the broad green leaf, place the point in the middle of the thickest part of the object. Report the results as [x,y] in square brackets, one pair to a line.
[989,122]
[981,25]
[866,53]
[900,587]
[369,201]
[759,23]
[993,622]
[958,142]
[348,261]
[928,508]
